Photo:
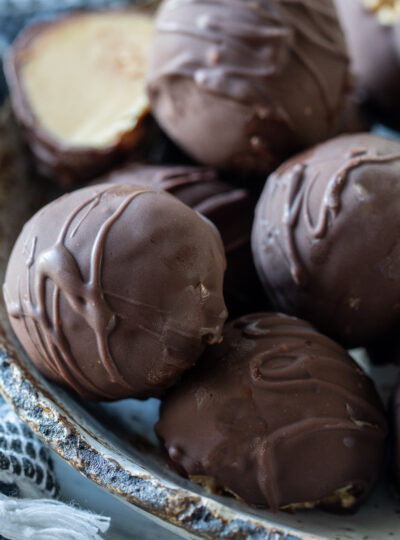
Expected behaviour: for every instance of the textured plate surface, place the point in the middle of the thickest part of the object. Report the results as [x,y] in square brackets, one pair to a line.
[114,444]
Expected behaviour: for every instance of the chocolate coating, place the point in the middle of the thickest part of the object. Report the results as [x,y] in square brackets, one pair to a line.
[114,291]
[355,118]
[375,58]
[325,237]
[223,74]
[230,209]
[279,415]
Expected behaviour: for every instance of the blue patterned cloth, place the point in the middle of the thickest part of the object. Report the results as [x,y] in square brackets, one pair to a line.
[26,468]
[29,509]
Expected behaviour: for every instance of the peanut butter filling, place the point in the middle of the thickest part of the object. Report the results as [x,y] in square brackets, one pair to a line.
[341,498]
[387,11]
[84,77]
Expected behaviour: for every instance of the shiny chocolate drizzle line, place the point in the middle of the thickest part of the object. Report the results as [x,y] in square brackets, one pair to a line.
[275,327]
[176,177]
[265,43]
[85,298]
[296,205]
[173,179]
[294,377]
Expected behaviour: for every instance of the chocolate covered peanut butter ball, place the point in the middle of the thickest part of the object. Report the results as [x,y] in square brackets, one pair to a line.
[242,85]
[278,415]
[326,237]
[114,290]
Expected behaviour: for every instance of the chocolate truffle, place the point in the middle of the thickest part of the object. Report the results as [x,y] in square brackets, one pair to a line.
[242,85]
[77,88]
[230,209]
[372,29]
[279,415]
[326,237]
[114,291]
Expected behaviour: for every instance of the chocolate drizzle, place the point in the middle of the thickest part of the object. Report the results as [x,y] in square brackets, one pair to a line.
[201,189]
[297,202]
[263,32]
[53,274]
[238,63]
[282,399]
[87,300]
[292,365]
[307,200]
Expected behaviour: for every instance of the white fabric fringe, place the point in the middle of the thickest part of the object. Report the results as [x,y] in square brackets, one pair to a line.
[45,519]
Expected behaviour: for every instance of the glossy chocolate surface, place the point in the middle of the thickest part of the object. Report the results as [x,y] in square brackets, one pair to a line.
[223,76]
[114,291]
[230,209]
[325,237]
[278,415]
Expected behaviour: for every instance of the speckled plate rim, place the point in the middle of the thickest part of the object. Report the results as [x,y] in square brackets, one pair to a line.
[194,514]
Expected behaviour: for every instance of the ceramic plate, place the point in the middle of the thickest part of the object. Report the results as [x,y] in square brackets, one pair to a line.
[114,444]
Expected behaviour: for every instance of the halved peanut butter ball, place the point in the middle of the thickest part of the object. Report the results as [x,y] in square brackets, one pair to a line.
[77,87]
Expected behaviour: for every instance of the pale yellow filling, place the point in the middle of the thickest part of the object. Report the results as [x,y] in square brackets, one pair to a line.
[387,11]
[341,498]
[84,77]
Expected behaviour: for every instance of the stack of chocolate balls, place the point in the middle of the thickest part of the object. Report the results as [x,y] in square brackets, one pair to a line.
[117,289]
